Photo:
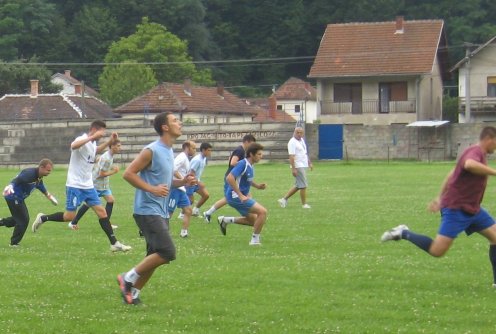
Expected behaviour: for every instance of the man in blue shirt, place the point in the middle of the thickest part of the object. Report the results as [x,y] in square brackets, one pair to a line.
[18,190]
[239,181]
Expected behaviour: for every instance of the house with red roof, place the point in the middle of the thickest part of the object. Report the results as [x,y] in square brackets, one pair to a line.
[193,104]
[71,85]
[36,106]
[381,72]
[477,84]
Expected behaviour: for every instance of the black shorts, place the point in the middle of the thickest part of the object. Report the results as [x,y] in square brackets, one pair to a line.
[156,232]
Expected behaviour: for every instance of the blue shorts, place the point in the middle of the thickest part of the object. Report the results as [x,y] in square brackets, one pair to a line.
[191,190]
[177,198]
[242,207]
[455,221]
[76,196]
[103,193]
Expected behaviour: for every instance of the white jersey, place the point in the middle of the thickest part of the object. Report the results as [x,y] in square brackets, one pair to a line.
[181,165]
[81,164]
[298,148]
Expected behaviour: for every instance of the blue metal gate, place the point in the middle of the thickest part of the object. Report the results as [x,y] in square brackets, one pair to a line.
[331,141]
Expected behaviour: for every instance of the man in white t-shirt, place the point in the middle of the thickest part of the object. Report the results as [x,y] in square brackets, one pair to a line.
[299,161]
[79,184]
[197,165]
[178,197]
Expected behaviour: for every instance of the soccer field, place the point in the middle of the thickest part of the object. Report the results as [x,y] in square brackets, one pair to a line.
[321,270]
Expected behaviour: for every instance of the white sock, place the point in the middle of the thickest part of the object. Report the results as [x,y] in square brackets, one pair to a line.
[135,292]
[255,236]
[229,220]
[131,276]
[211,210]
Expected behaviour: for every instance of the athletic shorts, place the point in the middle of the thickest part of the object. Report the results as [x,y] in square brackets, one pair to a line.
[301,178]
[242,207]
[177,199]
[191,190]
[455,221]
[76,196]
[105,192]
[155,229]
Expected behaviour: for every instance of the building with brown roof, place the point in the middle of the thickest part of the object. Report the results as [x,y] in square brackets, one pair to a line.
[193,104]
[381,72]
[71,85]
[35,106]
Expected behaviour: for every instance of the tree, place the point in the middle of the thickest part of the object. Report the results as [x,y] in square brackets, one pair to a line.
[16,78]
[152,44]
[120,83]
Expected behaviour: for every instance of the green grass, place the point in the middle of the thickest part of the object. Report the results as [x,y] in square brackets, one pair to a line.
[318,271]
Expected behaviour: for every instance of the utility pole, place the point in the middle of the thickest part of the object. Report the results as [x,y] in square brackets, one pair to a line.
[467,82]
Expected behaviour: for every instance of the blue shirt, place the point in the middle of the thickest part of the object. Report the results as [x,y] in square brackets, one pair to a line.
[160,171]
[24,184]
[197,164]
[244,173]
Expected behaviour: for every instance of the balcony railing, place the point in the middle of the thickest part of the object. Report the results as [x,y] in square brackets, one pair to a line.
[329,107]
[478,104]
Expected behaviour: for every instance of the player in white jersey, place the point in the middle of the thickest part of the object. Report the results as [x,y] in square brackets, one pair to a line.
[197,166]
[79,184]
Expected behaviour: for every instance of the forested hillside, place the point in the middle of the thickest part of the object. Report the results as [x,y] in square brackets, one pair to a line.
[250,43]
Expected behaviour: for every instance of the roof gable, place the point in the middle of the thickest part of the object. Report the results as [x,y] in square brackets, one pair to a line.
[296,89]
[173,97]
[368,49]
[473,53]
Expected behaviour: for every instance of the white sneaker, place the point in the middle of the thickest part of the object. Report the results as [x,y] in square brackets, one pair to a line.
[282,202]
[180,216]
[196,212]
[255,242]
[118,247]
[37,222]
[394,233]
[207,217]
[306,206]
[222,225]
[72,226]
[114,227]
[184,234]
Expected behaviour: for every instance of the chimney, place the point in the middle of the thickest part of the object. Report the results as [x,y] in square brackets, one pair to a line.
[67,73]
[272,106]
[77,89]
[400,27]
[187,86]
[220,89]
[34,88]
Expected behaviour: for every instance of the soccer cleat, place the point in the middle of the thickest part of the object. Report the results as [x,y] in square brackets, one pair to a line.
[125,287]
[282,202]
[180,216]
[114,227]
[255,242]
[222,225]
[37,222]
[207,217]
[183,234]
[394,233]
[14,245]
[72,226]
[306,206]
[196,212]
[136,301]
[118,247]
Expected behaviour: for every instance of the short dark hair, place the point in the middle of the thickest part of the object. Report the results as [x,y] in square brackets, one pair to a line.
[161,119]
[205,146]
[98,124]
[488,131]
[253,149]
[249,138]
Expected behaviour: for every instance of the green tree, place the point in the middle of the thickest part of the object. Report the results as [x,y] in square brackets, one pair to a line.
[152,44]
[16,78]
[120,83]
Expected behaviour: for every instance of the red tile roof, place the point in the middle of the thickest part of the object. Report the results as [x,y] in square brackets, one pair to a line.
[52,106]
[173,98]
[296,89]
[370,49]
[73,81]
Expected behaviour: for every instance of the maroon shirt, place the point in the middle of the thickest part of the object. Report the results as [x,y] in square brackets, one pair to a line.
[465,190]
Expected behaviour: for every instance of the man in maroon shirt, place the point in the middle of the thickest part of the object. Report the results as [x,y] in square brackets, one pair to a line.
[459,202]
